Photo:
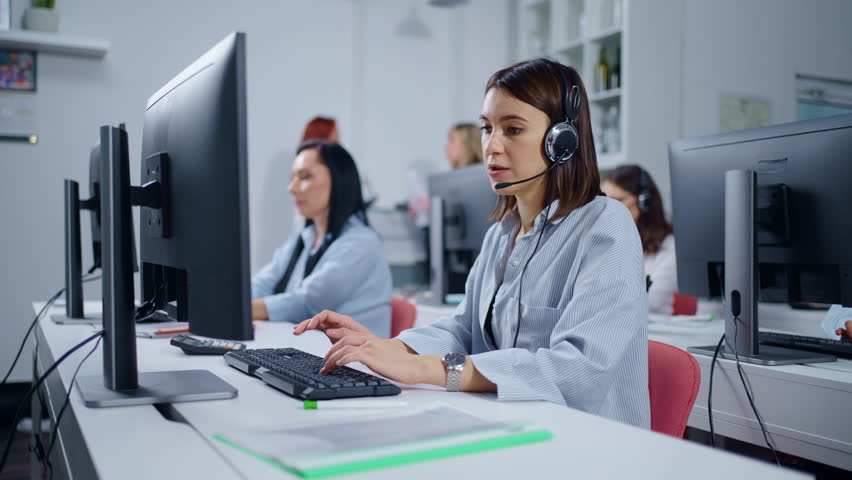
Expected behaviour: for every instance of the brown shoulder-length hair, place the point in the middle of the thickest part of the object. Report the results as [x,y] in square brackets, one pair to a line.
[537,83]
[653,225]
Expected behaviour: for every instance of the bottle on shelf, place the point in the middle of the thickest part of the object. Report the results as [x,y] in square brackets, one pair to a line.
[602,72]
[615,71]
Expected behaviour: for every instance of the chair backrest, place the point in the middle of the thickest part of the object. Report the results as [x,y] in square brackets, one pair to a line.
[684,304]
[673,381]
[403,314]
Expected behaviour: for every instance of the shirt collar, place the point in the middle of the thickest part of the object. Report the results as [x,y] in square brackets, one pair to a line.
[309,232]
[512,221]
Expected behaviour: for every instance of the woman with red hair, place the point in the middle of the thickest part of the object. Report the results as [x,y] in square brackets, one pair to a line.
[321,128]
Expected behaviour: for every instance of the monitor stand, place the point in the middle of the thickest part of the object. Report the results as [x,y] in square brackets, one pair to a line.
[741,339]
[121,384]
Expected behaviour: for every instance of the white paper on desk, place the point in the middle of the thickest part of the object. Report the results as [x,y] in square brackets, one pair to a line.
[835,318]
[348,435]
[322,446]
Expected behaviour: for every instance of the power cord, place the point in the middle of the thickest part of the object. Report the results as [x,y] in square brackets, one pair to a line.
[38,316]
[749,395]
[710,392]
[53,434]
[34,388]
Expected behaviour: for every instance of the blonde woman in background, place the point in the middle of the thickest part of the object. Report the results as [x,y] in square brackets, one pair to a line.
[463,146]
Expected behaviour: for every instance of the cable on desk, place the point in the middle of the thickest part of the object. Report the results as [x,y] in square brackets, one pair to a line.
[35,322]
[34,387]
[54,433]
[748,394]
[710,391]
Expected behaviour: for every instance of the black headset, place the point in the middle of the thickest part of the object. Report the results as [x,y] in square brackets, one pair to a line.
[645,197]
[562,139]
[560,142]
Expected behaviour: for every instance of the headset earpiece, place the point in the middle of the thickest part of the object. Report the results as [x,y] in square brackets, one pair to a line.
[645,198]
[562,138]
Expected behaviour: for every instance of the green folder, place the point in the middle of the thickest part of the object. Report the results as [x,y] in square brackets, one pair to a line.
[337,448]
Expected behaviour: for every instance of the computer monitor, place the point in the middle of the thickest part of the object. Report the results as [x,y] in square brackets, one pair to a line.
[461,201]
[74,312]
[194,234]
[197,255]
[787,186]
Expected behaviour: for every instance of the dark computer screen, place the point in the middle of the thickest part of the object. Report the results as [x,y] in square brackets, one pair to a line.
[804,226]
[195,251]
[468,201]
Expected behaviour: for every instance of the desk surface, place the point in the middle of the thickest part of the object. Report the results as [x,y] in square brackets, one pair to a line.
[806,408]
[137,442]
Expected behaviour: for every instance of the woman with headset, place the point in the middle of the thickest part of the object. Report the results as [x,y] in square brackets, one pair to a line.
[555,306]
[336,261]
[634,187]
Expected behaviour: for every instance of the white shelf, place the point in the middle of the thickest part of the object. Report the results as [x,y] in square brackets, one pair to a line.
[605,35]
[570,45]
[55,43]
[608,95]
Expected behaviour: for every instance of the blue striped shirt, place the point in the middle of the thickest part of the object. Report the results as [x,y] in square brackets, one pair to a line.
[352,277]
[583,338]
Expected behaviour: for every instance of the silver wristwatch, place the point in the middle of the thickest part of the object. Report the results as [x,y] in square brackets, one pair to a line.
[454,364]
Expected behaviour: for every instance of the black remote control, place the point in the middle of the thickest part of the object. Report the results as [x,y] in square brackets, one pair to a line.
[195,346]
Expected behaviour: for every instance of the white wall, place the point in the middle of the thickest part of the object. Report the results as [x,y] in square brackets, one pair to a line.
[394,98]
[756,48]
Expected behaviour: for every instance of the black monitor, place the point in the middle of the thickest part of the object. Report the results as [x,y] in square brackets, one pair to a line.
[74,278]
[194,234]
[461,202]
[788,185]
[195,258]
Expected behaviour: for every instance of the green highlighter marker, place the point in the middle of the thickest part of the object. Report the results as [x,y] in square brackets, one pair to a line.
[341,404]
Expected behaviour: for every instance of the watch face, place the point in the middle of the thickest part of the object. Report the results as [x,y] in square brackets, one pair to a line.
[454,359]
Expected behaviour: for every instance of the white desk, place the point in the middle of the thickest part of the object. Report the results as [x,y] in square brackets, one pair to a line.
[137,442]
[807,408]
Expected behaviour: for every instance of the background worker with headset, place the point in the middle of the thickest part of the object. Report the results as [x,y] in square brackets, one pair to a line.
[555,304]
[336,261]
[634,187]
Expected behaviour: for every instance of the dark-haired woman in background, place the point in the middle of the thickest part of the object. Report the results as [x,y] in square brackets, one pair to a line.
[334,262]
[555,306]
[634,187]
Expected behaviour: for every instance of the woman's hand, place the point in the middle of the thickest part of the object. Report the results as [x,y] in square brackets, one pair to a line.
[845,333]
[334,325]
[258,310]
[389,358]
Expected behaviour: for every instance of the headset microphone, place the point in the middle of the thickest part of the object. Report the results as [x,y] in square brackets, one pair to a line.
[503,185]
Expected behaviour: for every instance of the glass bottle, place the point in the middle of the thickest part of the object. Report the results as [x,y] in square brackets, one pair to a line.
[602,72]
[615,71]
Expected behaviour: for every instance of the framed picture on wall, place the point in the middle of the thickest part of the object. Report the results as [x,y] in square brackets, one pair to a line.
[18,70]
[5,15]
[739,112]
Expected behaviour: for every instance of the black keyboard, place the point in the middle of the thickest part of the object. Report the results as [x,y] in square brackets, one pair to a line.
[296,373]
[840,348]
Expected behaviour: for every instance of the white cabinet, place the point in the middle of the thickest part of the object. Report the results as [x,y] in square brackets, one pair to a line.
[636,112]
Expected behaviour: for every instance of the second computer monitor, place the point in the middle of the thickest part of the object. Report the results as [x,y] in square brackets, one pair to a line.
[803,220]
[195,250]
[461,202]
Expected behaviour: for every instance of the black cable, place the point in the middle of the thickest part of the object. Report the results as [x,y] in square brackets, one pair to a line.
[33,324]
[748,394]
[521,281]
[32,389]
[710,392]
[53,434]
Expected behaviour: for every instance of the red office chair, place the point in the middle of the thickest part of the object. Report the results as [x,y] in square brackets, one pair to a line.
[673,381]
[403,314]
[684,304]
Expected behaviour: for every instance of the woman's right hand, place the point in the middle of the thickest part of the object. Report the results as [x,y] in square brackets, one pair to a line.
[335,326]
